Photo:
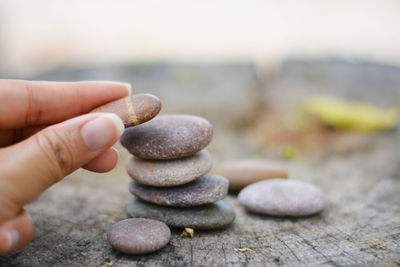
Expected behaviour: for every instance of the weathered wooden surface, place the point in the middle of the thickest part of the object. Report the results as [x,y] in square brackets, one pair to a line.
[360,226]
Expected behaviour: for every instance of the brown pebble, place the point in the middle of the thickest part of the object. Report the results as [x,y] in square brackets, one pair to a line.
[241,173]
[139,236]
[133,110]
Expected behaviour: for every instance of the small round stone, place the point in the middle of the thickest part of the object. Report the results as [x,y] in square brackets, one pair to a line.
[204,190]
[133,110]
[139,236]
[212,216]
[282,197]
[168,137]
[169,172]
[241,173]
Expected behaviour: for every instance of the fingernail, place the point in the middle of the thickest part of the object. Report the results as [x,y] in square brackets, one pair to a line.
[13,238]
[129,87]
[102,132]
[116,150]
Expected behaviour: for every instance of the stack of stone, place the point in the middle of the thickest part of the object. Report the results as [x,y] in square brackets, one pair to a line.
[169,170]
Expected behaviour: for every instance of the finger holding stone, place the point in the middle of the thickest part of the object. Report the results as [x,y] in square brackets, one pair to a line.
[27,103]
[50,155]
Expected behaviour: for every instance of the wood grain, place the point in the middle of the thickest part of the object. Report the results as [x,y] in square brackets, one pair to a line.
[360,226]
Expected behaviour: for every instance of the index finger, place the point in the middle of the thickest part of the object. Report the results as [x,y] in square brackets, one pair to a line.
[26,103]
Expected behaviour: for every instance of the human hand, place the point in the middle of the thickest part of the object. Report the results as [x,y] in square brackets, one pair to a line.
[44,136]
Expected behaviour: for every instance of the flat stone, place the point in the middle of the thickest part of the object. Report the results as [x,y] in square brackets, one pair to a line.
[212,216]
[241,173]
[204,190]
[169,172]
[139,236]
[168,137]
[133,110]
[282,197]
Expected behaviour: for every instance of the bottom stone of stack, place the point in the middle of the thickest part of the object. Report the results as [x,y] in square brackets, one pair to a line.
[208,217]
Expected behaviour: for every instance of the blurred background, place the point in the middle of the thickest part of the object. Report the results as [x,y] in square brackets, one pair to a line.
[247,66]
[46,34]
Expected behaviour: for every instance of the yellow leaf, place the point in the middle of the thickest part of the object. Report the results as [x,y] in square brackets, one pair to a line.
[354,116]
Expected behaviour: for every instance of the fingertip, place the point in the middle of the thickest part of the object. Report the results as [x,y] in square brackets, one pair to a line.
[98,133]
[16,233]
[128,87]
[6,241]
[118,123]
[115,151]
[105,162]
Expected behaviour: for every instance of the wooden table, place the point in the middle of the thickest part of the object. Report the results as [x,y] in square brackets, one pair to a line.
[360,226]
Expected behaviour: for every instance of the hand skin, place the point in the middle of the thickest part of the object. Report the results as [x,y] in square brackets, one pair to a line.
[45,134]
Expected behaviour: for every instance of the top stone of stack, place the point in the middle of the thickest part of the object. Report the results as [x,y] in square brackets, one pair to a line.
[133,110]
[168,137]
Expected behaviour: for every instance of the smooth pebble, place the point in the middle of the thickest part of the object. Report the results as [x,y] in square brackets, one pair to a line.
[204,190]
[282,197]
[168,137]
[212,216]
[167,173]
[133,110]
[241,173]
[139,236]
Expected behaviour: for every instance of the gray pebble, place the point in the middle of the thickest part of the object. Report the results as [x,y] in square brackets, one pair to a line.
[169,172]
[207,217]
[282,197]
[204,190]
[139,236]
[168,137]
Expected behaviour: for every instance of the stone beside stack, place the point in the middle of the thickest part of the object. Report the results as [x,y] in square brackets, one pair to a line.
[244,172]
[282,197]
[169,170]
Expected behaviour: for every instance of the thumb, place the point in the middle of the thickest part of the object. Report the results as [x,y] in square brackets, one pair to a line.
[30,167]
